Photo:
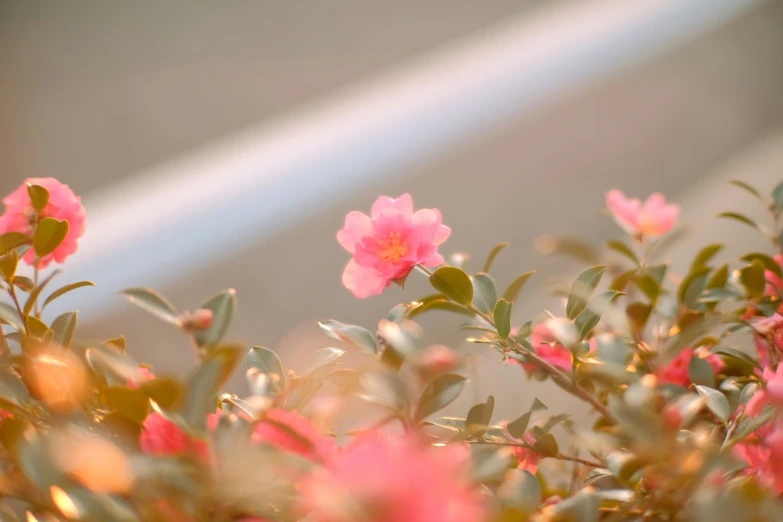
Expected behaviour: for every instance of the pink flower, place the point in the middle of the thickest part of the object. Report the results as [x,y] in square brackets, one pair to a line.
[291,432]
[774,285]
[63,205]
[547,347]
[436,359]
[767,335]
[161,436]
[676,372]
[389,243]
[201,319]
[145,374]
[764,457]
[391,479]
[652,218]
[528,459]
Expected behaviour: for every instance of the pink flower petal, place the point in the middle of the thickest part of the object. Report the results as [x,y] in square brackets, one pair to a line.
[362,281]
[357,226]
[625,211]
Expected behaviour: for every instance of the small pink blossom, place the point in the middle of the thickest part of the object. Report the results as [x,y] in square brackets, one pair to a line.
[289,431]
[436,359]
[768,335]
[652,218]
[63,205]
[774,285]
[676,372]
[161,436]
[391,479]
[201,319]
[528,459]
[145,374]
[389,243]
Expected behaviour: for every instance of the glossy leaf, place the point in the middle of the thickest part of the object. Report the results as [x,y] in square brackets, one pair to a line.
[495,251]
[49,234]
[768,262]
[514,288]
[753,279]
[64,290]
[8,265]
[37,327]
[479,417]
[582,289]
[716,402]
[453,283]
[268,363]
[12,389]
[116,368]
[736,216]
[39,196]
[439,393]
[154,303]
[64,326]
[502,316]
[9,315]
[351,335]
[623,249]
[222,306]
[12,240]
[323,358]
[485,293]
[386,389]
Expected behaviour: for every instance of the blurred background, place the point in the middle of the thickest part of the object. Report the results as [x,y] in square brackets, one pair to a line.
[220,144]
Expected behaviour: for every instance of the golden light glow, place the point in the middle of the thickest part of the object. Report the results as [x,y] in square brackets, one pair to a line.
[31,517]
[64,503]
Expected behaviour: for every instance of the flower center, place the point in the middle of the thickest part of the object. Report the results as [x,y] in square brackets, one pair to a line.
[391,250]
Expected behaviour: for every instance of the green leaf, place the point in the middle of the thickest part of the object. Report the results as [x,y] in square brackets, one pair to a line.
[625,250]
[323,358]
[64,290]
[589,318]
[637,313]
[621,281]
[705,255]
[692,286]
[439,393]
[386,389]
[12,389]
[768,262]
[715,295]
[753,279]
[502,315]
[222,306]
[719,278]
[548,244]
[12,240]
[523,491]
[777,197]
[37,327]
[492,254]
[546,446]
[33,297]
[116,368]
[154,303]
[351,335]
[454,284]
[748,188]
[8,265]
[203,386]
[716,402]
[9,315]
[485,294]
[49,234]
[478,418]
[518,427]
[739,217]
[446,306]
[39,196]
[514,288]
[490,463]
[524,331]
[63,328]
[132,403]
[268,363]
[700,372]
[24,283]
[582,289]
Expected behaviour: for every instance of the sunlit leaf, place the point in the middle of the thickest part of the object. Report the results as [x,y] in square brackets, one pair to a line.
[495,251]
[64,290]
[753,279]
[154,303]
[39,196]
[484,293]
[502,316]
[12,389]
[133,403]
[63,327]
[716,402]
[523,491]
[12,240]
[323,358]
[623,249]
[582,289]
[739,217]
[8,265]
[515,287]
[351,335]
[268,363]
[386,389]
[439,393]
[9,315]
[453,283]
[49,234]
[768,262]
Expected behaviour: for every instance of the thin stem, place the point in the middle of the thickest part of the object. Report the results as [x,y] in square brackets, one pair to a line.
[12,292]
[35,280]
[561,456]
[732,428]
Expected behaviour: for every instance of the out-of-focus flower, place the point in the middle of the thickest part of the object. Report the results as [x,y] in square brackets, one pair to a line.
[676,372]
[774,285]
[764,457]
[145,374]
[201,319]
[389,243]
[672,417]
[390,479]
[768,335]
[547,347]
[289,431]
[436,359]
[528,459]
[652,218]
[161,436]
[63,205]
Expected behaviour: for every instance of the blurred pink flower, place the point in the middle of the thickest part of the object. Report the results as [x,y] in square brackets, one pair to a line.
[63,205]
[768,335]
[436,359]
[651,218]
[391,479]
[528,459]
[145,374]
[289,431]
[764,456]
[676,372]
[389,243]
[161,436]
[547,347]
[774,283]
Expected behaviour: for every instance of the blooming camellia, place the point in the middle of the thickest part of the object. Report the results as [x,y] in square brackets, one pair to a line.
[652,218]
[291,432]
[389,243]
[63,205]
[391,479]
[676,372]
[161,436]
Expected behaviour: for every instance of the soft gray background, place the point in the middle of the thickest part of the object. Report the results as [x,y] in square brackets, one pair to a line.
[94,92]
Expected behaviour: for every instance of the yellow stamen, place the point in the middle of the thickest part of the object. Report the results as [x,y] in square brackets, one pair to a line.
[391,250]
